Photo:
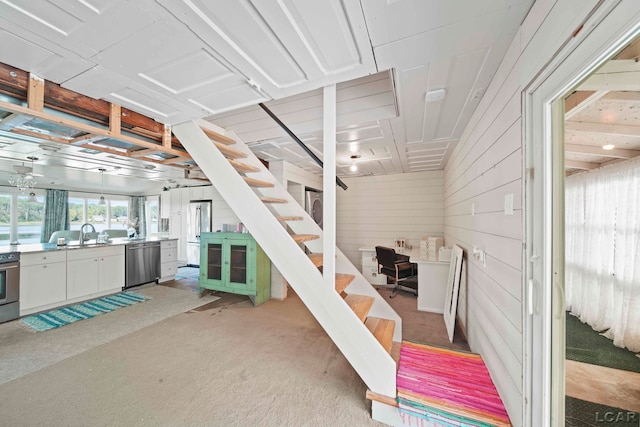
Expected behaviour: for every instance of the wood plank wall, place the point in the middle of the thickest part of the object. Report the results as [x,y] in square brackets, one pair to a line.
[376,210]
[485,167]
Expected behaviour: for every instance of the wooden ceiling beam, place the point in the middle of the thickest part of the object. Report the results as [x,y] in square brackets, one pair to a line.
[105,149]
[38,135]
[576,164]
[603,128]
[143,153]
[615,75]
[617,153]
[85,127]
[579,100]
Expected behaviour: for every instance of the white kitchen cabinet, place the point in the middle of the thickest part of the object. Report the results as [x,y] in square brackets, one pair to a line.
[43,282]
[94,270]
[165,204]
[204,192]
[112,272]
[168,260]
[370,267]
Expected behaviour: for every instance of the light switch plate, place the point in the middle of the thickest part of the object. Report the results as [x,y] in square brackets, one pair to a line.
[508,204]
[473,209]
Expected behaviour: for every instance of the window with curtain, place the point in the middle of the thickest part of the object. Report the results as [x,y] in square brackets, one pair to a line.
[602,251]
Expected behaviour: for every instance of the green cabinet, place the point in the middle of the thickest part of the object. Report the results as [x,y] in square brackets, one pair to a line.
[235,263]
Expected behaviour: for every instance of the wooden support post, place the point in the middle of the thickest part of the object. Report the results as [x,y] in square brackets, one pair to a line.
[35,93]
[115,117]
[166,137]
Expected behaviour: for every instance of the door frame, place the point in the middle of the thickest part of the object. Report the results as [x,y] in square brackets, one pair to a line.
[606,30]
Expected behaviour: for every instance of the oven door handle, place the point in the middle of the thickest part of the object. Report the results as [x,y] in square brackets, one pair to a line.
[7,267]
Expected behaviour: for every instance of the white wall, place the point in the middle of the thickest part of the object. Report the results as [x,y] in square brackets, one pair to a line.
[375,210]
[485,166]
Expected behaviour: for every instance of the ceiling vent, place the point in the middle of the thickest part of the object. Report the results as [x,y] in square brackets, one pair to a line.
[435,95]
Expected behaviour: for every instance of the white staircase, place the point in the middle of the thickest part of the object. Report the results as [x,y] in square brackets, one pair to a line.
[359,321]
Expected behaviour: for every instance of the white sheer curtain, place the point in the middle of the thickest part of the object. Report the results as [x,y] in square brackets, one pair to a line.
[602,245]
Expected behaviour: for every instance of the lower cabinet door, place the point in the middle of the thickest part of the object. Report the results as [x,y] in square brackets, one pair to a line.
[42,284]
[82,277]
[111,273]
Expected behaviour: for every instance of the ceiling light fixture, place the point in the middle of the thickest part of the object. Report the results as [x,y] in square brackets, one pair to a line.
[354,166]
[608,147]
[32,198]
[102,200]
[24,181]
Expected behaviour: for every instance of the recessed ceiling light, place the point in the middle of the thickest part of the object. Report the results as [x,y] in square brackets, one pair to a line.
[149,167]
[353,168]
[608,147]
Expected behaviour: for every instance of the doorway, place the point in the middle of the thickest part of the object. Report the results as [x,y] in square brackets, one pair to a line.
[612,28]
[601,207]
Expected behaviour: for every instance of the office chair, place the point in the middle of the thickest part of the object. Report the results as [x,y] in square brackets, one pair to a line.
[398,268]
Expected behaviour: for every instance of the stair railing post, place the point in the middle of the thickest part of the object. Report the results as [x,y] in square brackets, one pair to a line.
[329,187]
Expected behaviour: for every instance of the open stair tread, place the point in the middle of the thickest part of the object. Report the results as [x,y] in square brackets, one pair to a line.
[360,304]
[289,218]
[242,167]
[229,152]
[257,182]
[316,259]
[382,329]
[215,136]
[273,200]
[343,280]
[299,238]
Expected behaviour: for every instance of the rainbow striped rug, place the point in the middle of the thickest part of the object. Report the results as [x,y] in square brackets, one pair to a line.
[86,310]
[447,387]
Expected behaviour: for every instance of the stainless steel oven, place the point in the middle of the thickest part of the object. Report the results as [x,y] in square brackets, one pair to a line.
[9,286]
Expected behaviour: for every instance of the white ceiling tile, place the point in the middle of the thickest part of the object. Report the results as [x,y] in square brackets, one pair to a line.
[188,73]
[139,101]
[413,86]
[234,97]
[462,76]
[395,20]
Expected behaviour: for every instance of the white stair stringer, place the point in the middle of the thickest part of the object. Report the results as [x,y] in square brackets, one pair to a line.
[365,354]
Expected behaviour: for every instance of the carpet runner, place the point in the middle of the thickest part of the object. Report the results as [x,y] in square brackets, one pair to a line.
[86,310]
[447,387]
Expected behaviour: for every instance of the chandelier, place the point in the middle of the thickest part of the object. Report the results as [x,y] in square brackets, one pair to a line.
[24,180]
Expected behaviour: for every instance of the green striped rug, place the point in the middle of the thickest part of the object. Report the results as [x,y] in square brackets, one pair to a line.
[86,310]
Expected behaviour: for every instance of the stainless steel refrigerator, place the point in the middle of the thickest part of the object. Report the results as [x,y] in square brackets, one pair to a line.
[199,222]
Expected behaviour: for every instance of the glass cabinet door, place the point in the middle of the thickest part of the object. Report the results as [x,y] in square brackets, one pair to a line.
[238,261]
[214,261]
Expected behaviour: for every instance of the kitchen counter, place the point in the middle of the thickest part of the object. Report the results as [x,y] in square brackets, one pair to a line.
[74,244]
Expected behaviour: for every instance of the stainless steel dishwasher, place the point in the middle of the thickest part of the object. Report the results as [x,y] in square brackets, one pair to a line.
[142,263]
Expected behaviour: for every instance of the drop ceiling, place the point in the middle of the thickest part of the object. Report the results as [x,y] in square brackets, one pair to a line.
[178,60]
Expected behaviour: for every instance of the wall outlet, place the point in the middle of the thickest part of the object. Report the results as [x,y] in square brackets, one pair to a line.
[480,256]
[508,204]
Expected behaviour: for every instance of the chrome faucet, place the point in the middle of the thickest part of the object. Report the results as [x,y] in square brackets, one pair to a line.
[82,236]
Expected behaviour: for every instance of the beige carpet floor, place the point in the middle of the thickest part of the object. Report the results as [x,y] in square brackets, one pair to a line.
[224,363]
[229,366]
[23,350]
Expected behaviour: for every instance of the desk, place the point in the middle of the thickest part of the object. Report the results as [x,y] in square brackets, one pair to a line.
[432,282]
[432,277]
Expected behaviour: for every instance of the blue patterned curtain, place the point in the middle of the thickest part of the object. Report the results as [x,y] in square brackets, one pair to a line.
[56,213]
[137,215]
